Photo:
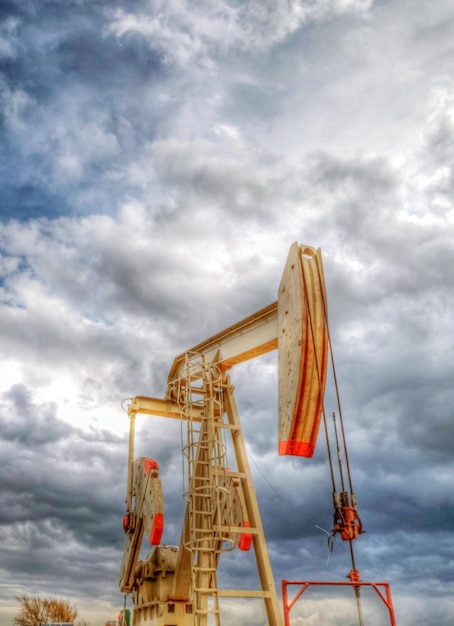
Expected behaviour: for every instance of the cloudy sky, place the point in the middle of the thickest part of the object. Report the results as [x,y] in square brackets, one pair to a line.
[158,158]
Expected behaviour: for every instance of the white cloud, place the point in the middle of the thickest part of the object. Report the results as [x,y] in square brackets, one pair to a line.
[9,38]
[197,35]
[15,103]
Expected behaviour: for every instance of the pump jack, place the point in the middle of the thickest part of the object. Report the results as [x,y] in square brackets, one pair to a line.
[178,585]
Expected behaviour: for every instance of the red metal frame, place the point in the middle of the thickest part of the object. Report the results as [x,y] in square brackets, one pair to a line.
[379,587]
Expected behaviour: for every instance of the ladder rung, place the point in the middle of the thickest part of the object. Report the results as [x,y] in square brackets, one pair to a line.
[207,590]
[208,514]
[242,593]
[221,471]
[204,569]
[235,529]
[207,612]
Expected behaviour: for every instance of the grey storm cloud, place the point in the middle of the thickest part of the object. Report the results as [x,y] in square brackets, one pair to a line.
[157,161]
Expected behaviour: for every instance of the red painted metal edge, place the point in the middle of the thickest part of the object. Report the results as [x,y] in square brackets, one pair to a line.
[379,588]
[245,539]
[156,529]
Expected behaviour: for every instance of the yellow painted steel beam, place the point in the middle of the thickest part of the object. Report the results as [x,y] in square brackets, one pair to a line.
[269,592]
[243,593]
[161,408]
[247,339]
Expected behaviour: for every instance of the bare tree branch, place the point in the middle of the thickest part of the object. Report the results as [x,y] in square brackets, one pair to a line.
[35,610]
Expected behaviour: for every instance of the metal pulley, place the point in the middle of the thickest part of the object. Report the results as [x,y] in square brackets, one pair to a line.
[346,519]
